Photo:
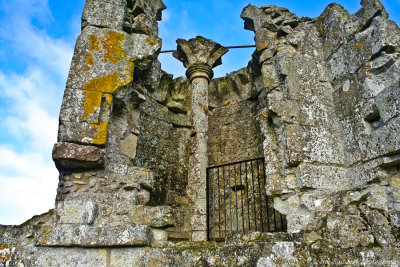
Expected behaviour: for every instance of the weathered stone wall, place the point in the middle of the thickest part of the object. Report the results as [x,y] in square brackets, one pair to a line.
[319,99]
[234,131]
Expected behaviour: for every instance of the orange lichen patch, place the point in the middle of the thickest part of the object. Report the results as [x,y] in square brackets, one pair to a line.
[358,46]
[92,102]
[100,138]
[110,45]
[5,252]
[94,44]
[146,170]
[151,41]
[89,59]
[107,84]
[261,47]
[113,47]
[109,98]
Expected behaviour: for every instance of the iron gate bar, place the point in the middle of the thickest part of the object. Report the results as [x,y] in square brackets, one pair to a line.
[219,210]
[237,218]
[266,198]
[213,204]
[230,197]
[254,193]
[223,177]
[208,201]
[241,193]
[259,192]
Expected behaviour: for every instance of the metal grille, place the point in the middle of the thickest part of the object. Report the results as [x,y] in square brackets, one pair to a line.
[237,200]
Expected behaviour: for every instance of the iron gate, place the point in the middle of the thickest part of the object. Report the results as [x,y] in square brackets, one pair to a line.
[237,200]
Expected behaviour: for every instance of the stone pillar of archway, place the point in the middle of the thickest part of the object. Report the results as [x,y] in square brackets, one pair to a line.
[199,56]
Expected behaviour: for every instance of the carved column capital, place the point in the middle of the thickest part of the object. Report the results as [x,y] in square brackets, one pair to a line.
[199,71]
[199,51]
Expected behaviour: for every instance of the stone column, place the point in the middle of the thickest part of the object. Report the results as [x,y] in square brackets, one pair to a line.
[199,56]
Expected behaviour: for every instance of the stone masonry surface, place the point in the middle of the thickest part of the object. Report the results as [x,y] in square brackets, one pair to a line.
[319,100]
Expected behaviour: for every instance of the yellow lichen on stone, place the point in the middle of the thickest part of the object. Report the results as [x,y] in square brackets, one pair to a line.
[110,46]
[107,84]
[94,44]
[151,41]
[92,102]
[263,46]
[100,138]
[113,47]
[358,46]
[109,98]
[5,252]
[89,59]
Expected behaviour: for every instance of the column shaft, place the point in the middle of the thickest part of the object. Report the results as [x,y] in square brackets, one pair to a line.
[198,161]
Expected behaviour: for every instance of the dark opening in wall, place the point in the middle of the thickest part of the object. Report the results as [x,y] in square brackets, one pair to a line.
[374,119]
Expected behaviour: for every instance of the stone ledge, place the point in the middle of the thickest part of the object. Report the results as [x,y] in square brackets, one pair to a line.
[74,156]
[69,235]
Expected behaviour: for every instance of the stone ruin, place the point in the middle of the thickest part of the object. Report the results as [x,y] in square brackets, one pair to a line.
[318,103]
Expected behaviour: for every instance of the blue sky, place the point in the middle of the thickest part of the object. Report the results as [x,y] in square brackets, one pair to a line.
[37,38]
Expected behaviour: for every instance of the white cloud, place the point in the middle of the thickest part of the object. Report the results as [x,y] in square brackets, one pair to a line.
[29,114]
[30,102]
[28,177]
[29,189]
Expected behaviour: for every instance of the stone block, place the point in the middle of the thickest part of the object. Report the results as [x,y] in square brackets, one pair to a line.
[76,211]
[103,14]
[83,133]
[347,231]
[74,156]
[322,177]
[198,222]
[162,113]
[382,141]
[298,112]
[152,7]
[71,108]
[199,236]
[271,78]
[141,23]
[388,103]
[104,59]
[143,197]
[141,176]
[160,237]
[70,235]
[129,144]
[156,217]
[311,144]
